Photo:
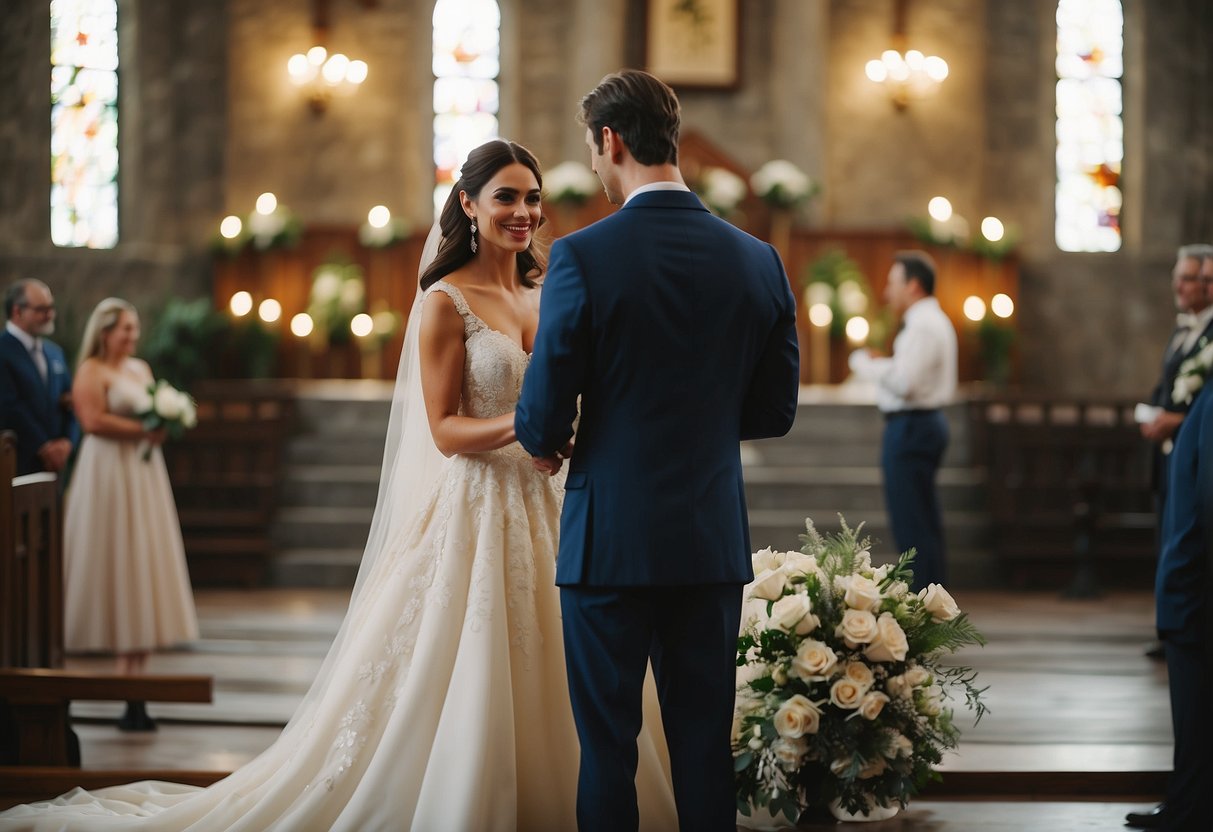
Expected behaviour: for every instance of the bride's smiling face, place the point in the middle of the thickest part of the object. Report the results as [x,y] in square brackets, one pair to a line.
[507,212]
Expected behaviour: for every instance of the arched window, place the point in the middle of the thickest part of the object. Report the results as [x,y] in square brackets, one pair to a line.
[467,61]
[84,123]
[1090,132]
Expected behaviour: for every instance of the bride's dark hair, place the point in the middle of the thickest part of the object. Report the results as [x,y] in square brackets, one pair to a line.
[456,247]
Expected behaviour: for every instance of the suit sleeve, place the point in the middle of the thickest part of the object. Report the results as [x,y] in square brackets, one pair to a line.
[770,405]
[16,410]
[543,420]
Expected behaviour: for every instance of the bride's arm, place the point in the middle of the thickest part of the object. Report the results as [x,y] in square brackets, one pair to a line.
[88,399]
[440,341]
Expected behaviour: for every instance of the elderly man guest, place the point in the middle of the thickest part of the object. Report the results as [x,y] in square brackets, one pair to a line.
[35,385]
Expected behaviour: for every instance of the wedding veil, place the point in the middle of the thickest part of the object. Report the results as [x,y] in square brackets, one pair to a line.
[412,466]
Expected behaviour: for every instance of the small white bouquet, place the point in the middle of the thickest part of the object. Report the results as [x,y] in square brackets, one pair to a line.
[722,190]
[167,407]
[782,185]
[570,183]
[1192,374]
[841,687]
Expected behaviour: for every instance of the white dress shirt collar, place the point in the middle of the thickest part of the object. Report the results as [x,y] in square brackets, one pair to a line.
[656,186]
[28,341]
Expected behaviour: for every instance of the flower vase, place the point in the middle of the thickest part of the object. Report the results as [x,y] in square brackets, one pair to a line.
[761,820]
[875,812]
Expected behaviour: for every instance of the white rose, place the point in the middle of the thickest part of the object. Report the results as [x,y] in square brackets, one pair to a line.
[189,413]
[167,402]
[880,573]
[753,612]
[780,675]
[769,585]
[144,402]
[789,752]
[846,693]
[939,603]
[797,717]
[899,745]
[857,627]
[872,704]
[798,563]
[814,660]
[931,702]
[861,593]
[890,644]
[766,559]
[793,613]
[917,676]
[897,590]
[896,686]
[859,673]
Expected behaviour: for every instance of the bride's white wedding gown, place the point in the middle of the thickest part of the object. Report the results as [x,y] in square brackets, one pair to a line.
[446,707]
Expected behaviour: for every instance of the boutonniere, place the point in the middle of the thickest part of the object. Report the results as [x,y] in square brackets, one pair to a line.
[1192,373]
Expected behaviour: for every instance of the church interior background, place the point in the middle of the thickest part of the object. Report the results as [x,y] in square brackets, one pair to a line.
[267,224]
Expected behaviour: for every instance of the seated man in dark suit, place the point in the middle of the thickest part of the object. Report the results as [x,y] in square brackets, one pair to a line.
[35,384]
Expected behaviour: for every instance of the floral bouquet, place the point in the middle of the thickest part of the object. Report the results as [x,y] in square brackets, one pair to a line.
[167,407]
[722,190]
[571,183]
[782,185]
[841,684]
[1192,374]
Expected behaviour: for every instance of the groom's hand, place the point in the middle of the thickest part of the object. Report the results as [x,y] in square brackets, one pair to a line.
[549,465]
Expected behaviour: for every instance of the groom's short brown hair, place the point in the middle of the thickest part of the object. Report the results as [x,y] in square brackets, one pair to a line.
[641,109]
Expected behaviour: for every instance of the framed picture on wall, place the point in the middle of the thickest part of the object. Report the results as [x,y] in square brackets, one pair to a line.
[694,43]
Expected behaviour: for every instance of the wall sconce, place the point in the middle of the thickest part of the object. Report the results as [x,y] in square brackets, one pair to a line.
[906,73]
[320,74]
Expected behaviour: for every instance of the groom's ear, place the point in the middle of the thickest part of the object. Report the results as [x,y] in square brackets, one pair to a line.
[613,145]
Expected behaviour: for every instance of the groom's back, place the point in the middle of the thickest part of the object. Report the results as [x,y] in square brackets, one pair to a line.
[683,310]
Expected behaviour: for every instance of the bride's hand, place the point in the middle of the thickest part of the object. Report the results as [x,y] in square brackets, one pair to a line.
[549,465]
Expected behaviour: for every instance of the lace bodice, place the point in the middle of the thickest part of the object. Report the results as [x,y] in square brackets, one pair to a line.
[493,367]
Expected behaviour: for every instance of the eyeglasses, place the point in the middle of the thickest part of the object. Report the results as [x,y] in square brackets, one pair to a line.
[41,309]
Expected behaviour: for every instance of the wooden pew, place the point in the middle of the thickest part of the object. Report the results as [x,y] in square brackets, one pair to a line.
[225,475]
[35,692]
[1068,484]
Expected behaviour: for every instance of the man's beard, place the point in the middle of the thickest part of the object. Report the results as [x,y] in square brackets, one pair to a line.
[47,328]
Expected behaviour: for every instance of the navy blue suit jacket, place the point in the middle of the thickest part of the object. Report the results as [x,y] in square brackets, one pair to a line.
[1182,582]
[678,332]
[29,406]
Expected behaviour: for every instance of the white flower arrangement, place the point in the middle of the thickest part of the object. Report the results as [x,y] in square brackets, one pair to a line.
[722,190]
[570,183]
[166,407]
[782,185]
[841,685]
[1192,374]
[338,294]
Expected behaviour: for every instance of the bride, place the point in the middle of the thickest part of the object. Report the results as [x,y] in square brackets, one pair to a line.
[442,704]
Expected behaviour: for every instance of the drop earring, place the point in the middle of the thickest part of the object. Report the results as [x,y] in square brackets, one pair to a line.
[473,235]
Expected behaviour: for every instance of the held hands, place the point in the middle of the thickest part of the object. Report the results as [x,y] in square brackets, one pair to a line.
[155,437]
[551,465]
[54,454]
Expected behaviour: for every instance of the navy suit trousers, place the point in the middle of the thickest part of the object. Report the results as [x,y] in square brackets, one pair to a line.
[690,633]
[914,442]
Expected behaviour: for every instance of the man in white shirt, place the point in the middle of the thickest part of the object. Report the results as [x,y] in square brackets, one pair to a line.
[911,388]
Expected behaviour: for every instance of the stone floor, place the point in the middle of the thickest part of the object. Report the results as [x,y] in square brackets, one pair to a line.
[1069,691]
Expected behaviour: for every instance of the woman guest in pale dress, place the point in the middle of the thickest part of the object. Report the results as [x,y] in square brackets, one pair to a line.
[127,590]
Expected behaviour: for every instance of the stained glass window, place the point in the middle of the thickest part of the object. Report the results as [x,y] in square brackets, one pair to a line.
[84,123]
[1090,133]
[467,61]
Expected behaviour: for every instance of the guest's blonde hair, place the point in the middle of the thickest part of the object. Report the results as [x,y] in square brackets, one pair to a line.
[104,318]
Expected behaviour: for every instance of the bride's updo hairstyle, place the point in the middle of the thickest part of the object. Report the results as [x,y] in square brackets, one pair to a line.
[103,320]
[456,247]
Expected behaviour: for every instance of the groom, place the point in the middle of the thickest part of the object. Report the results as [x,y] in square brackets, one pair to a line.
[677,331]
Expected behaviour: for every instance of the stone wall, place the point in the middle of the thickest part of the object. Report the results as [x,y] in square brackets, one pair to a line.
[210,120]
